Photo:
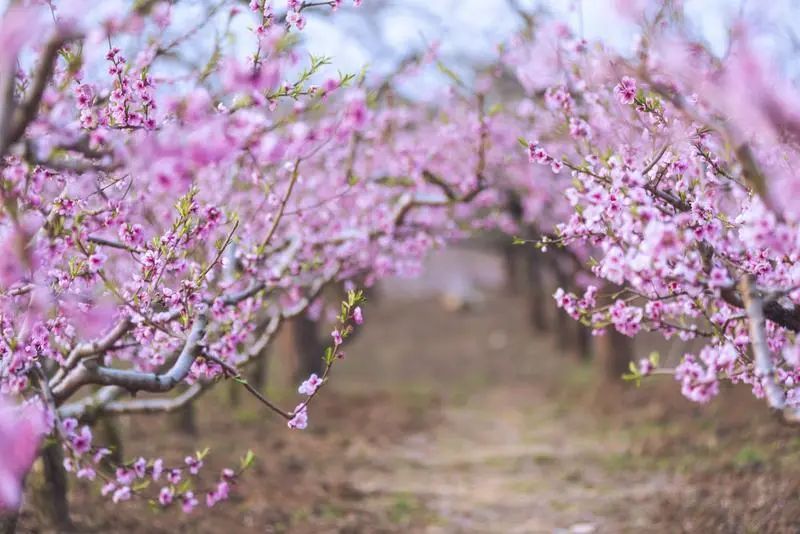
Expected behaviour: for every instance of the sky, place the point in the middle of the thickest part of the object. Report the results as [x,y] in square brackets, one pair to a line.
[471,28]
[382,32]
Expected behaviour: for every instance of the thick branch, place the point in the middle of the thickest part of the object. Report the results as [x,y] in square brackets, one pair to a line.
[772,310]
[105,400]
[163,405]
[88,372]
[27,109]
[88,404]
[85,350]
[776,397]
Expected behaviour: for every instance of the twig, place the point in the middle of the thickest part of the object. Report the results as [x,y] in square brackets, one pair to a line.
[279,215]
[233,373]
[219,252]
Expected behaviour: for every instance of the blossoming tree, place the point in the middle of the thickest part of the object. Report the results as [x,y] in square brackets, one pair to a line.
[163,214]
[681,179]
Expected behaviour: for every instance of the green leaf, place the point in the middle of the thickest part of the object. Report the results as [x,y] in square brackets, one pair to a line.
[449,73]
[495,109]
[247,459]
[632,378]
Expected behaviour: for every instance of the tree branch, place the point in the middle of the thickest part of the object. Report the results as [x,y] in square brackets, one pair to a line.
[26,110]
[88,372]
[776,398]
[84,350]
[105,400]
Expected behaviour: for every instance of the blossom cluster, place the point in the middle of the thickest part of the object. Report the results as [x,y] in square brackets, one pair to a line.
[677,197]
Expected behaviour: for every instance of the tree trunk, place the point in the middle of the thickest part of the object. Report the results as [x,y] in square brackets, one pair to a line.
[564,324]
[50,491]
[258,372]
[613,353]
[234,393]
[109,432]
[309,349]
[584,341]
[8,522]
[537,291]
[183,420]
[511,265]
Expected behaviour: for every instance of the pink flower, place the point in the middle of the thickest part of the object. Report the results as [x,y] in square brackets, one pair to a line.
[719,277]
[69,425]
[121,494]
[293,18]
[100,454]
[337,337]
[82,443]
[86,472]
[579,129]
[699,382]
[140,467]
[626,90]
[626,319]
[20,25]
[645,366]
[131,234]
[194,464]
[12,258]
[537,154]
[158,468]
[165,496]
[358,317]
[125,476]
[300,418]
[308,387]
[174,476]
[21,430]
[330,84]
[189,502]
[96,261]
[220,493]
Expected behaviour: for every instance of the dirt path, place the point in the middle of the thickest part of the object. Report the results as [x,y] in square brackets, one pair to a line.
[496,466]
[503,454]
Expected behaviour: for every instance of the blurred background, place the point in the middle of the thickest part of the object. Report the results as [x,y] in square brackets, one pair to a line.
[469,403]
